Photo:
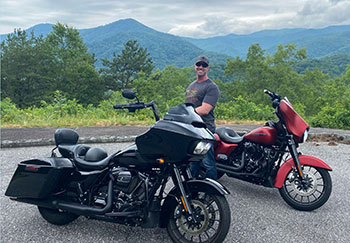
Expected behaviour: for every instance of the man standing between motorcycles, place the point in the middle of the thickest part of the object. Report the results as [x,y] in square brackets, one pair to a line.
[203,93]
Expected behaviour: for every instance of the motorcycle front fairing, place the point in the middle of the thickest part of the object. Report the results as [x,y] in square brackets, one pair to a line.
[175,137]
[294,122]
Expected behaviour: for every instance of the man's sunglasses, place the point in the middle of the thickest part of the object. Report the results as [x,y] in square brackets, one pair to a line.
[203,64]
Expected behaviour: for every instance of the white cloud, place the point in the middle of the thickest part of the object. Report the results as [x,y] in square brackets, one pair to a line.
[186,18]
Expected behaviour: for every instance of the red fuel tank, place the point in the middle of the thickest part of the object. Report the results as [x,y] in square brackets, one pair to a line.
[262,135]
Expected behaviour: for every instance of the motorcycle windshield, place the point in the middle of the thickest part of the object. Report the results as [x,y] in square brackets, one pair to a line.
[294,123]
[184,113]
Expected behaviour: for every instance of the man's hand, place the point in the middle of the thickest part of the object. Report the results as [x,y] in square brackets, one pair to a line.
[204,109]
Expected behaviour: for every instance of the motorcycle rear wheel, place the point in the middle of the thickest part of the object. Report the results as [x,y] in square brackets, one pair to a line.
[310,193]
[213,216]
[57,217]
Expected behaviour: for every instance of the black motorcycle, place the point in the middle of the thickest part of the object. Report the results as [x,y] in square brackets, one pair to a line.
[130,186]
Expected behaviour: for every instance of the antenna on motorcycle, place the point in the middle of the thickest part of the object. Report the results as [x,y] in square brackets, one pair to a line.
[130,94]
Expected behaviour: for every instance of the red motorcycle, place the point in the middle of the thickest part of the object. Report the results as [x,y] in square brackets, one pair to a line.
[268,156]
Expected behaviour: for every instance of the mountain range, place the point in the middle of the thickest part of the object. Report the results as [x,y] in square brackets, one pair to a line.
[166,49]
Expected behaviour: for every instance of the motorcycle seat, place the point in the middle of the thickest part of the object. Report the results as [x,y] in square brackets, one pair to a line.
[228,135]
[67,151]
[88,158]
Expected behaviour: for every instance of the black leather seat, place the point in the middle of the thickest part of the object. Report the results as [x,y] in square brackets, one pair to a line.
[228,135]
[87,158]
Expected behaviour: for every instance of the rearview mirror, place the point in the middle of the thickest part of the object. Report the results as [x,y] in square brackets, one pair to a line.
[129,94]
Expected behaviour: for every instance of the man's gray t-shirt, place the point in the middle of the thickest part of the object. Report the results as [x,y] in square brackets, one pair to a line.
[206,91]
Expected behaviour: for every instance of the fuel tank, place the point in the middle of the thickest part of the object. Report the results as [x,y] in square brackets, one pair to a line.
[262,135]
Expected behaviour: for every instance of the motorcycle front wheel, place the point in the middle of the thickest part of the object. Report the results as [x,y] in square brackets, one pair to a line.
[212,222]
[309,193]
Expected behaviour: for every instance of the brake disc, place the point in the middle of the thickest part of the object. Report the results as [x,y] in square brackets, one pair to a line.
[195,228]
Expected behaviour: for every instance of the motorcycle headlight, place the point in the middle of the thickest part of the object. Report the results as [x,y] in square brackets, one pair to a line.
[202,148]
[306,134]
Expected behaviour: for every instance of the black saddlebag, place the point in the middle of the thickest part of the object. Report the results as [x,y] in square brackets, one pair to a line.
[39,178]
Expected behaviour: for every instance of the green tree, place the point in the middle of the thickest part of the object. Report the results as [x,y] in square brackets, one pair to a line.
[251,74]
[166,88]
[25,76]
[73,66]
[124,68]
[260,71]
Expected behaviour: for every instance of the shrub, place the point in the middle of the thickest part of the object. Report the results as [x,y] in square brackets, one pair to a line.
[241,109]
[332,117]
[9,111]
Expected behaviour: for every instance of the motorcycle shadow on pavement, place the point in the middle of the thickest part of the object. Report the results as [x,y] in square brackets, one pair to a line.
[106,231]
[247,191]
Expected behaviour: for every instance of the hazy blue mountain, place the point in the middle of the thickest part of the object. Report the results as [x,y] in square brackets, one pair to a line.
[318,42]
[167,49]
[39,29]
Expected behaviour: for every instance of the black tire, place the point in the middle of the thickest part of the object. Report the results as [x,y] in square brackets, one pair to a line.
[312,193]
[57,217]
[213,214]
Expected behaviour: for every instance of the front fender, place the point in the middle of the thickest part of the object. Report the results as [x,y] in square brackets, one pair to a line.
[207,185]
[304,160]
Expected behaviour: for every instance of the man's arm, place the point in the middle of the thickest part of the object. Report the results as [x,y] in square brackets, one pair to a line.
[204,109]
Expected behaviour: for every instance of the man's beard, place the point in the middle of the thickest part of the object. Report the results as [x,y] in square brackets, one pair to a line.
[202,74]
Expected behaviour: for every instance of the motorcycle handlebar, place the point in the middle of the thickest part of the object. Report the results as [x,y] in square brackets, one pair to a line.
[118,106]
[273,96]
[268,92]
[276,98]
[132,107]
[135,106]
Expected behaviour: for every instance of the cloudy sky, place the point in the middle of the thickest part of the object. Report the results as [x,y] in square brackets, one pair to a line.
[201,18]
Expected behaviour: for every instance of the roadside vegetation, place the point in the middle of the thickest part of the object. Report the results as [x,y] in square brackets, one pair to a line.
[53,81]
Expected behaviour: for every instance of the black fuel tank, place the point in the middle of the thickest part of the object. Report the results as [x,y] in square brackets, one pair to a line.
[130,157]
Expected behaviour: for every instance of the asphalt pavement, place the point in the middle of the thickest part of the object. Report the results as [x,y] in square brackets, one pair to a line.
[258,214]
[41,136]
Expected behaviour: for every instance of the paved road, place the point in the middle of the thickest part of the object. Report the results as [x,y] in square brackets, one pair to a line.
[258,214]
[40,136]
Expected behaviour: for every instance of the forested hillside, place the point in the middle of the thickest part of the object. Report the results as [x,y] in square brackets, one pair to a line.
[166,49]
[53,81]
[333,65]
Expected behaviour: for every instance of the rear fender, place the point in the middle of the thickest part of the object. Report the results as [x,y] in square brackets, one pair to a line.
[289,164]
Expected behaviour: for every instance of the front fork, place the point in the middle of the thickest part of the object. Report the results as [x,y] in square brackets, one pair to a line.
[183,195]
[293,151]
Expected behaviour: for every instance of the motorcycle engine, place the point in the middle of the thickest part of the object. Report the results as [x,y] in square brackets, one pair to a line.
[254,156]
[128,190]
[125,180]
[249,157]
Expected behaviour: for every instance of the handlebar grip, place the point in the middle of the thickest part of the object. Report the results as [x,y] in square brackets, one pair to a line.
[268,92]
[118,106]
